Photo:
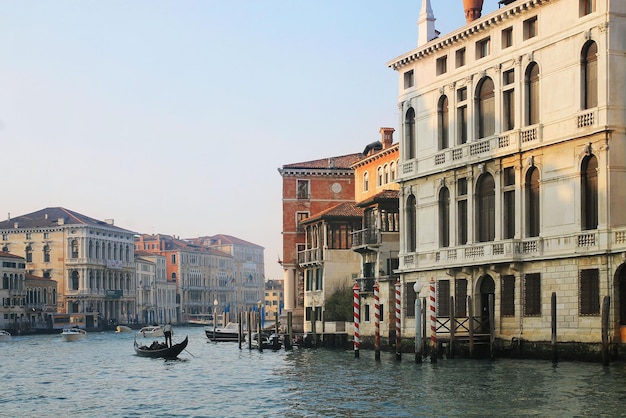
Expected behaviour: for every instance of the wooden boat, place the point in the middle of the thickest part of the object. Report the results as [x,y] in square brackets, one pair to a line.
[73,334]
[160,350]
[268,341]
[5,335]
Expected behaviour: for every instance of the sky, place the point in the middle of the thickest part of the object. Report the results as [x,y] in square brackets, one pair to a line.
[174,116]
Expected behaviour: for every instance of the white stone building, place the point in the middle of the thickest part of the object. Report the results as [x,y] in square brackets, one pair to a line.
[512,166]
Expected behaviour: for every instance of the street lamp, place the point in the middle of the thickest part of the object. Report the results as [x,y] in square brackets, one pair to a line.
[417,287]
[215,303]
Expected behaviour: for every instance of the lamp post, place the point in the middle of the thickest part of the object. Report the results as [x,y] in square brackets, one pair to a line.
[417,287]
[215,303]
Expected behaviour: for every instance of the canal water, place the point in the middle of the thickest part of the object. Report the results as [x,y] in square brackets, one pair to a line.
[102,377]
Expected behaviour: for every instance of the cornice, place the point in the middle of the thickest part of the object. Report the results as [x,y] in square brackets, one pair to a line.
[477,27]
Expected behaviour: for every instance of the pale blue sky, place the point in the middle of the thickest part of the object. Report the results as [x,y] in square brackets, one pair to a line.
[173,116]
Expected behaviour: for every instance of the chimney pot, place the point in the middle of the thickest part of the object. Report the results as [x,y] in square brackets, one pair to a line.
[473,9]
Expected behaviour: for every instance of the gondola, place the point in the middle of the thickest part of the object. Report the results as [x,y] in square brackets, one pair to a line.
[159,351]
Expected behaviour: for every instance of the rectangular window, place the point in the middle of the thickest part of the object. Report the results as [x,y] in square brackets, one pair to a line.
[443,298]
[532,294]
[507,303]
[508,109]
[530,28]
[460,57]
[366,315]
[302,187]
[319,282]
[29,235]
[442,65]
[507,37]
[586,7]
[509,203]
[46,235]
[482,48]
[589,292]
[173,258]
[408,79]
[309,280]
[460,298]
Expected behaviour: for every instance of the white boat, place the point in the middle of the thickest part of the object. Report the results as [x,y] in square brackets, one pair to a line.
[123,328]
[229,332]
[151,331]
[5,335]
[73,334]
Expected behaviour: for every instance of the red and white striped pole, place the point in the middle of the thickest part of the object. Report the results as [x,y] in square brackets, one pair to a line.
[432,307]
[398,320]
[357,304]
[376,321]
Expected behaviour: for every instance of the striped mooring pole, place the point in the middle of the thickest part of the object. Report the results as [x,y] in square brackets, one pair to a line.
[398,319]
[376,321]
[356,304]
[432,306]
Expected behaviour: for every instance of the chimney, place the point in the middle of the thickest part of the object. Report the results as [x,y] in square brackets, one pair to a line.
[473,9]
[110,221]
[60,221]
[386,137]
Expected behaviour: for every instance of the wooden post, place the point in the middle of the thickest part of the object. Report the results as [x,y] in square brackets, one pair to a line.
[452,327]
[249,330]
[553,313]
[240,329]
[606,303]
[470,311]
[259,329]
[288,336]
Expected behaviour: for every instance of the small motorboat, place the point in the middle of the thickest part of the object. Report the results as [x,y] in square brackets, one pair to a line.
[160,350]
[229,332]
[122,328]
[73,334]
[151,331]
[5,335]
[269,341]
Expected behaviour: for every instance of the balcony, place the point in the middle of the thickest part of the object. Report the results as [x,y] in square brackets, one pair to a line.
[365,238]
[310,256]
[517,250]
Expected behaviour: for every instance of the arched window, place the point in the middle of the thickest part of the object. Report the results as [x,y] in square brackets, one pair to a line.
[485,104]
[411,224]
[29,254]
[409,133]
[75,248]
[386,174]
[379,176]
[589,191]
[442,119]
[444,217]
[366,181]
[532,203]
[90,249]
[46,253]
[485,208]
[532,94]
[74,280]
[589,76]
[392,170]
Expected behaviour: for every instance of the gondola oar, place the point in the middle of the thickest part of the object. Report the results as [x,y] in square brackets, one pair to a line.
[188,352]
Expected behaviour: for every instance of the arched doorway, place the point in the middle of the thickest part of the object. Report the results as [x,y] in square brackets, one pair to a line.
[487,289]
[621,297]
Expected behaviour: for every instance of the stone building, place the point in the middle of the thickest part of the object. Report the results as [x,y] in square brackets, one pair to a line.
[512,161]
[91,260]
[12,291]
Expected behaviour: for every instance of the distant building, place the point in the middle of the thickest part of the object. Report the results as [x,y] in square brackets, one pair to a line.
[247,277]
[41,301]
[308,188]
[13,291]
[273,299]
[156,296]
[91,260]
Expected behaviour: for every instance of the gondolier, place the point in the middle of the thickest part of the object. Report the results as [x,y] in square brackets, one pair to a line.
[167,332]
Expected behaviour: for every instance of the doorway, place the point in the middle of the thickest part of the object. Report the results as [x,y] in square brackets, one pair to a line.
[487,289]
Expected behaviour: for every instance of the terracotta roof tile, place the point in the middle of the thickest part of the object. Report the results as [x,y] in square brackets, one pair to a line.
[342,210]
[341,162]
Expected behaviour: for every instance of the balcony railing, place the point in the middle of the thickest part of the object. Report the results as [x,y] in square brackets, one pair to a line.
[312,255]
[368,236]
[516,250]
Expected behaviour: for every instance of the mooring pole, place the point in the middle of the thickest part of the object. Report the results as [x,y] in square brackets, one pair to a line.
[553,313]
[356,305]
[432,306]
[376,321]
[606,303]
[398,320]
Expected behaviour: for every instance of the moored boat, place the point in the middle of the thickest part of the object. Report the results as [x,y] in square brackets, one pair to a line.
[73,334]
[151,331]
[5,335]
[122,328]
[269,341]
[228,332]
[161,350]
